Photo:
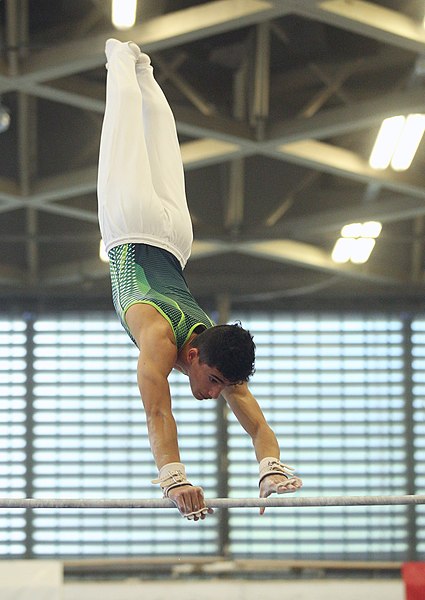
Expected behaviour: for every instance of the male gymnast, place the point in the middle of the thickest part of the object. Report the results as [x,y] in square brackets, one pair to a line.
[147,231]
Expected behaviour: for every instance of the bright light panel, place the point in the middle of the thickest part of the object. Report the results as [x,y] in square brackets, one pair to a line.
[353,230]
[102,252]
[371,229]
[408,143]
[386,142]
[124,13]
[342,250]
[362,249]
[357,242]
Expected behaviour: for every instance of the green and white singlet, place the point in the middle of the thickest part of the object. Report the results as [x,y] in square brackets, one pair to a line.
[146,274]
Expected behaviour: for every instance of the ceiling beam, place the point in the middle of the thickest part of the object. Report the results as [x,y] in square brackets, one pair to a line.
[326,123]
[384,59]
[216,17]
[355,116]
[77,91]
[230,139]
[74,272]
[192,123]
[316,154]
[161,32]
[67,94]
[308,153]
[69,211]
[305,255]
[284,251]
[344,163]
[9,191]
[201,153]
[50,190]
[65,185]
[368,19]
[93,268]
[206,248]
[385,210]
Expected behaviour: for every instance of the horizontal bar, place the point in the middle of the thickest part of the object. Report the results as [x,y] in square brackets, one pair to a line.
[275,501]
[203,564]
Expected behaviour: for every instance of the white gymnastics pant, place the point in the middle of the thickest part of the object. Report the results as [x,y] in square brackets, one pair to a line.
[141,190]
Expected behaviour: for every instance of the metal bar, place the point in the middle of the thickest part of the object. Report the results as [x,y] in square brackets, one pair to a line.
[193,95]
[332,88]
[12,36]
[234,210]
[223,302]
[261,100]
[368,19]
[29,436]
[409,436]
[56,503]
[203,564]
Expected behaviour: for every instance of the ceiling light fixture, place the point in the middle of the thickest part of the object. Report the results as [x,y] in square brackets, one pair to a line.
[356,242]
[408,143]
[124,13]
[386,142]
[397,142]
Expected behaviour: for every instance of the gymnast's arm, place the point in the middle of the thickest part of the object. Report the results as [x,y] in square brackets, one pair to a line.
[157,357]
[249,414]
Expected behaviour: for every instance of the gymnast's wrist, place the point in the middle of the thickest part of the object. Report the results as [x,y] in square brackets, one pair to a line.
[170,476]
[271,465]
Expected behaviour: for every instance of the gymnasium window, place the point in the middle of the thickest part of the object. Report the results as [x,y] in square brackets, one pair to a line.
[333,387]
[418,399]
[13,397]
[90,440]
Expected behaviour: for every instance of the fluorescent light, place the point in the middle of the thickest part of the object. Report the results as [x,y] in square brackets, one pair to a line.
[362,249]
[102,252]
[353,230]
[124,13]
[342,250]
[371,229]
[408,143]
[386,142]
[356,242]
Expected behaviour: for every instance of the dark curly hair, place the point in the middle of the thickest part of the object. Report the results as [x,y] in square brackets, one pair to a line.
[228,348]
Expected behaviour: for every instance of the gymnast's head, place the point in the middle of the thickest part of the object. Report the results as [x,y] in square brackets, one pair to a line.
[224,354]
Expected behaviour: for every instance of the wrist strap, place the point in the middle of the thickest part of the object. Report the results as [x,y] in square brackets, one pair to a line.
[170,476]
[273,466]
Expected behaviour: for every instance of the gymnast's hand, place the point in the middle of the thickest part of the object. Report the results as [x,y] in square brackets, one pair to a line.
[278,484]
[189,499]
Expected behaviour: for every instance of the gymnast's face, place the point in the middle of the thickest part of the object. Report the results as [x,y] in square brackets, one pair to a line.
[205,382]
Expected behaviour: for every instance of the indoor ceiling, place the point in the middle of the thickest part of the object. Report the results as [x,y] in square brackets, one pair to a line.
[277,104]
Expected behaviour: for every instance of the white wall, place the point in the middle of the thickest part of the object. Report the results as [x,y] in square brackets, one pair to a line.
[43,580]
[31,580]
[238,590]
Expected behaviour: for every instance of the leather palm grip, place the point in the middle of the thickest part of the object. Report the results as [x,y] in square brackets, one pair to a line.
[273,466]
[170,476]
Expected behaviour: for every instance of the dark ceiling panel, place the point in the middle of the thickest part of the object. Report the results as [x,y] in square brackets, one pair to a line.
[285,100]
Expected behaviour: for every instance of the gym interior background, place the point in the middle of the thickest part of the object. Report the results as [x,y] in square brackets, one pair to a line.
[278,106]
